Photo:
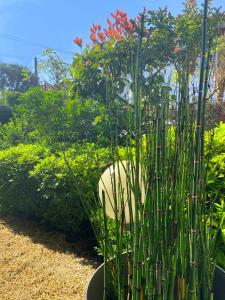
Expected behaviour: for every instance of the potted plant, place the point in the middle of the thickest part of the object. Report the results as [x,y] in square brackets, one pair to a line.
[153,194]
[95,287]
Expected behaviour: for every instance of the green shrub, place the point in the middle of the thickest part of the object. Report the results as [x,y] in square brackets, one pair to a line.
[62,177]
[219,225]
[15,132]
[216,186]
[12,98]
[37,183]
[18,191]
[215,147]
[55,119]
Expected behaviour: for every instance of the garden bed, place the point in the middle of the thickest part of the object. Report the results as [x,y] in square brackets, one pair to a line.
[36,264]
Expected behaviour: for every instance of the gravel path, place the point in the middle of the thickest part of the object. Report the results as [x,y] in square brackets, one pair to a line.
[35,264]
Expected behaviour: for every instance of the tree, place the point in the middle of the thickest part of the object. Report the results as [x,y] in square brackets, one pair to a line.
[53,67]
[16,78]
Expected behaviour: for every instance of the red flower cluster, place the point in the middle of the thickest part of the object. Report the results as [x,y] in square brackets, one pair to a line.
[122,22]
[94,29]
[78,41]
[111,32]
[122,26]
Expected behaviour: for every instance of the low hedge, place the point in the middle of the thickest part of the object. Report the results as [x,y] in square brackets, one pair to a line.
[36,183]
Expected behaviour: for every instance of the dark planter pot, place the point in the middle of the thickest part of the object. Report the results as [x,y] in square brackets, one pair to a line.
[95,286]
[219,284]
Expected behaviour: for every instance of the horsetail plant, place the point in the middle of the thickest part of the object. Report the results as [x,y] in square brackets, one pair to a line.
[163,190]
[154,190]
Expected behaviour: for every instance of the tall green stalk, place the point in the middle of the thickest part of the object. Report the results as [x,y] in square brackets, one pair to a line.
[163,190]
[199,142]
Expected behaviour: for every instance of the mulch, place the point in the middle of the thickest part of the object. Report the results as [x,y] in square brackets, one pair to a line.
[40,265]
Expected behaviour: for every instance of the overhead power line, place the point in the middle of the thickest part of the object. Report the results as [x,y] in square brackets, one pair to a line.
[25,41]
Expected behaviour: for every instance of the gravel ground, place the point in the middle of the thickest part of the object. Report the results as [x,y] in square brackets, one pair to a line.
[35,264]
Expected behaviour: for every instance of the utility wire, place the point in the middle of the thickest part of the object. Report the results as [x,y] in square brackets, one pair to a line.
[22,40]
[23,57]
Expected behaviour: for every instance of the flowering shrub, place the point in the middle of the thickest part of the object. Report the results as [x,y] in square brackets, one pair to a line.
[167,41]
[120,27]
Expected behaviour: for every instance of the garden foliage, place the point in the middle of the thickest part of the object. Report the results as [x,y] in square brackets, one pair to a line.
[38,178]
[53,119]
[215,148]
[36,183]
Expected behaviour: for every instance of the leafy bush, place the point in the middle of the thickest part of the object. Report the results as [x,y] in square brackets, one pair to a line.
[215,147]
[12,98]
[18,191]
[36,183]
[219,225]
[53,119]
[61,178]
[43,113]
[15,132]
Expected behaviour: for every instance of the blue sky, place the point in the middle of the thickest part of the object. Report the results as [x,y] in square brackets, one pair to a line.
[28,26]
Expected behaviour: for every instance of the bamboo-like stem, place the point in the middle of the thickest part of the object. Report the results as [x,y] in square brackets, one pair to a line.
[105,249]
[196,193]
[205,276]
[136,287]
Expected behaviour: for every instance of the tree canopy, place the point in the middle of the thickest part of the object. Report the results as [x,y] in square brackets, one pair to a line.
[16,78]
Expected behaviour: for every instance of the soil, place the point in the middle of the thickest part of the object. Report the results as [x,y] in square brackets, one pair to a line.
[40,265]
